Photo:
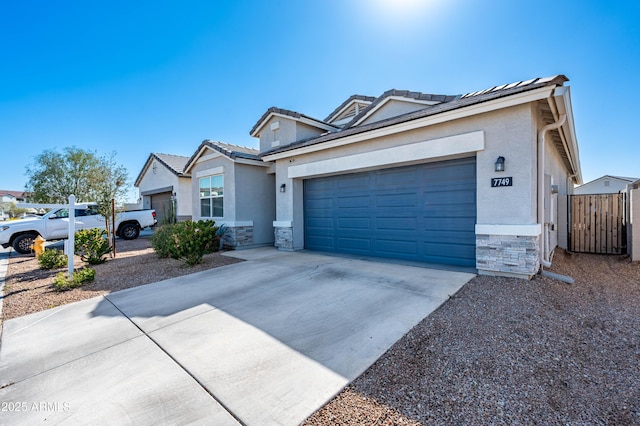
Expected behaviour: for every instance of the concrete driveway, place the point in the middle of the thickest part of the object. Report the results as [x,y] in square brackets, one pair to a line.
[266,341]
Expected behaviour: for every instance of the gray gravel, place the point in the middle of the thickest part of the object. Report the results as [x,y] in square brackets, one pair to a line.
[510,351]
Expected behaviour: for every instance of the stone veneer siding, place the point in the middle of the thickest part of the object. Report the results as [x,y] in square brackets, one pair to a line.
[284,238]
[511,254]
[238,236]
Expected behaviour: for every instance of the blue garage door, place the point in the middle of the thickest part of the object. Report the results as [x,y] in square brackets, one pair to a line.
[424,213]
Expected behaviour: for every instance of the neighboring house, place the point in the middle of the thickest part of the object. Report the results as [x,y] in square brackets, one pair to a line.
[605,185]
[9,200]
[14,197]
[234,187]
[415,176]
[165,187]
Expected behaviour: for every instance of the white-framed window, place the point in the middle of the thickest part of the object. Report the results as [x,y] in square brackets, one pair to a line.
[212,196]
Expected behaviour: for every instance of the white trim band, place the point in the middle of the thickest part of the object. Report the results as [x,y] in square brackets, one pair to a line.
[210,172]
[235,224]
[282,224]
[517,230]
[434,148]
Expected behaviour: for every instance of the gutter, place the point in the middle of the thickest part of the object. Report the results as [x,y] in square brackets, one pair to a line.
[545,261]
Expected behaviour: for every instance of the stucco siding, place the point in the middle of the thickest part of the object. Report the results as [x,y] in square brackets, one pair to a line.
[284,134]
[184,198]
[304,131]
[205,168]
[255,201]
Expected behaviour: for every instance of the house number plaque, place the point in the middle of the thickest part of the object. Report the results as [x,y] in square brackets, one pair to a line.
[499,182]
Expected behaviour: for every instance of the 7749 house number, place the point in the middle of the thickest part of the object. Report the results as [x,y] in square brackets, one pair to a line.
[499,182]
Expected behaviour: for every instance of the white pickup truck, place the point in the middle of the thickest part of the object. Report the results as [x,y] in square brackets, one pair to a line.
[54,225]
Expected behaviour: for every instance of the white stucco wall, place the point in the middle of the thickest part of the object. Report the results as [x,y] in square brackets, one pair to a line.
[164,178]
[603,185]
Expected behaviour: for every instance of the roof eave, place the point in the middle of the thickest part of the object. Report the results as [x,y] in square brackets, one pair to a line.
[562,95]
[413,123]
[302,119]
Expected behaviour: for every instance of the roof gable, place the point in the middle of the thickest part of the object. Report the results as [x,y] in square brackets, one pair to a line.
[349,109]
[418,99]
[296,116]
[625,180]
[233,152]
[174,163]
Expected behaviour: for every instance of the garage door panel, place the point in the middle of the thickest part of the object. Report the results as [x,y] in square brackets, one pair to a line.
[322,243]
[396,247]
[425,212]
[354,181]
[395,177]
[354,245]
[354,223]
[351,202]
[409,199]
[396,224]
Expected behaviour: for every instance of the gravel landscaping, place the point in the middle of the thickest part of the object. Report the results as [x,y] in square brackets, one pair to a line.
[501,351]
[509,351]
[29,289]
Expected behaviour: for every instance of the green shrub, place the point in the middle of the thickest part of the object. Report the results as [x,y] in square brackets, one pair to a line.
[52,259]
[80,277]
[187,241]
[92,245]
[162,240]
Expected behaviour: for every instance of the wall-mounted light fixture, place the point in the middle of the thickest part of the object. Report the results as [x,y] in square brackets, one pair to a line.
[500,164]
[283,187]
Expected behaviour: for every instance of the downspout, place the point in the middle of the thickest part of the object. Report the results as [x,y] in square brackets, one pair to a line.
[545,261]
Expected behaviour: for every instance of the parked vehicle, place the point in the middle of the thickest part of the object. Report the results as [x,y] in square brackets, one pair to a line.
[54,225]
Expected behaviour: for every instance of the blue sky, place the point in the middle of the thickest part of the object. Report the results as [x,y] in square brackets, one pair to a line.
[161,76]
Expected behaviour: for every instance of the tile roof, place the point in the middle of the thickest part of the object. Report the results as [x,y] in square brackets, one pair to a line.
[175,163]
[15,194]
[399,93]
[449,103]
[289,113]
[232,151]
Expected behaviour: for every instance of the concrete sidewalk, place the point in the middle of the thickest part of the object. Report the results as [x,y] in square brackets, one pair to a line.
[266,341]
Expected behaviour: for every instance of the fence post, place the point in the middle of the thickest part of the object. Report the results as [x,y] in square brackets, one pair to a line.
[72,233]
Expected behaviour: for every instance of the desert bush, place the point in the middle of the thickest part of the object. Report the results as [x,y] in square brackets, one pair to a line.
[162,240]
[62,282]
[187,241]
[52,259]
[92,245]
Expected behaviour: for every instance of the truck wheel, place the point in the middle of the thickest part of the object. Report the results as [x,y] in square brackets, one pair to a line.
[22,243]
[129,231]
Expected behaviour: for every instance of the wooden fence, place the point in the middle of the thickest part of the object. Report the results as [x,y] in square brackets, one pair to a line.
[598,223]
